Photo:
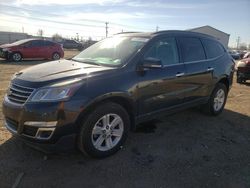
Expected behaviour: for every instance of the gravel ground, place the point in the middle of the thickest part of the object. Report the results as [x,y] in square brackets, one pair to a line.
[188,149]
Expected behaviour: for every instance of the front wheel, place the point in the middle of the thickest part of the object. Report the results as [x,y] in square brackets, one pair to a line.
[16,56]
[217,100]
[104,130]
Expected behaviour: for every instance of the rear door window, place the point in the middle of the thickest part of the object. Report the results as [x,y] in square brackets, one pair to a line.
[213,49]
[48,43]
[164,49]
[36,43]
[191,49]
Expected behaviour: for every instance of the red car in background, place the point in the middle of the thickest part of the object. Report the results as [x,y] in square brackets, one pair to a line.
[31,49]
[243,70]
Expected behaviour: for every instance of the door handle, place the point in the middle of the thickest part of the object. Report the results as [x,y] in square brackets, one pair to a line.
[210,69]
[180,74]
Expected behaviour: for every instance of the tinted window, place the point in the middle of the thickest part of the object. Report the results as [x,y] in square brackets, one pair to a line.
[36,43]
[48,43]
[165,50]
[213,49]
[192,49]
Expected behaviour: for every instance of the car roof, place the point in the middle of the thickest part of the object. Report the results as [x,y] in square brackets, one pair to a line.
[164,32]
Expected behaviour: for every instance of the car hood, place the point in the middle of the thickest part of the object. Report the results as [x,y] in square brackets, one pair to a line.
[59,70]
[7,45]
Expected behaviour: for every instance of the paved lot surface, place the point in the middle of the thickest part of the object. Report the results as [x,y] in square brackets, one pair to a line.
[188,149]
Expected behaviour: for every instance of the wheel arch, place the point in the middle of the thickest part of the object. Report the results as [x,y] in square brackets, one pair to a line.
[15,51]
[121,99]
[225,80]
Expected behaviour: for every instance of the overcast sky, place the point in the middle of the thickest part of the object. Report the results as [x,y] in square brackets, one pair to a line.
[88,17]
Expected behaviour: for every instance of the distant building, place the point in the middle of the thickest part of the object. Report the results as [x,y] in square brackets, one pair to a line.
[9,37]
[220,35]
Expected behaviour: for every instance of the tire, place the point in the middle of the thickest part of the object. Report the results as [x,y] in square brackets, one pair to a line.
[56,56]
[217,100]
[16,57]
[80,48]
[100,139]
[239,79]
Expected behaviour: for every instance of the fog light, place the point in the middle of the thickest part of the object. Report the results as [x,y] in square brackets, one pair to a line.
[45,133]
[41,123]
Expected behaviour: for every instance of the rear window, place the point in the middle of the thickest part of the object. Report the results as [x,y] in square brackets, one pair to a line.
[192,49]
[213,49]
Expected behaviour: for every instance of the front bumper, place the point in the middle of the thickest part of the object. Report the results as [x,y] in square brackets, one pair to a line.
[59,134]
[4,54]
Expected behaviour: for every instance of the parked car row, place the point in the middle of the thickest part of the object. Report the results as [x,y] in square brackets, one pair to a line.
[31,49]
[237,55]
[40,49]
[74,44]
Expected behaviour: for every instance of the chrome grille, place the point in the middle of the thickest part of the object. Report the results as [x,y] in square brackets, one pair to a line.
[19,94]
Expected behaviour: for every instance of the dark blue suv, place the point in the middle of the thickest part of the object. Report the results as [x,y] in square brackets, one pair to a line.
[93,100]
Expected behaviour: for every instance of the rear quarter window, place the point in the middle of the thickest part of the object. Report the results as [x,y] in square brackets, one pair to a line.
[191,49]
[213,49]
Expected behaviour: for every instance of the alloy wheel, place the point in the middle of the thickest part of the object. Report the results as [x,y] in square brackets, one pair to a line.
[107,132]
[16,57]
[219,99]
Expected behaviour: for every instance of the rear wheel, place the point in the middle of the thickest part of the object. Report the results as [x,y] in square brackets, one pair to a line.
[56,56]
[16,56]
[104,130]
[217,100]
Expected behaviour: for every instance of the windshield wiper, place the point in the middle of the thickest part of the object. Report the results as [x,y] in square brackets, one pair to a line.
[88,61]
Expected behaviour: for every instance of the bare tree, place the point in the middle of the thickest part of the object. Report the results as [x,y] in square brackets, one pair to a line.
[57,37]
[243,46]
[40,32]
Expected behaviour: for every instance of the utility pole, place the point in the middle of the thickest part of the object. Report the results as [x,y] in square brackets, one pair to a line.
[157,28]
[106,23]
[237,43]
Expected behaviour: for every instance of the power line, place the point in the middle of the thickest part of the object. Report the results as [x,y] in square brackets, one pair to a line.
[53,21]
[39,25]
[42,13]
[57,15]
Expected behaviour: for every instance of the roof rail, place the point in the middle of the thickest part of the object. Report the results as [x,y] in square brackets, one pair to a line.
[165,31]
[127,32]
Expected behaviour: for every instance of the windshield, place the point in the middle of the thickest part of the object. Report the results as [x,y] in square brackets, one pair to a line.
[21,41]
[113,51]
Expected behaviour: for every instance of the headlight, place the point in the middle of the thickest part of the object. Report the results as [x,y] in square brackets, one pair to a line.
[5,49]
[56,92]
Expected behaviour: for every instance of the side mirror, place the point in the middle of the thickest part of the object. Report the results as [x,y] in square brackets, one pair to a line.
[152,63]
